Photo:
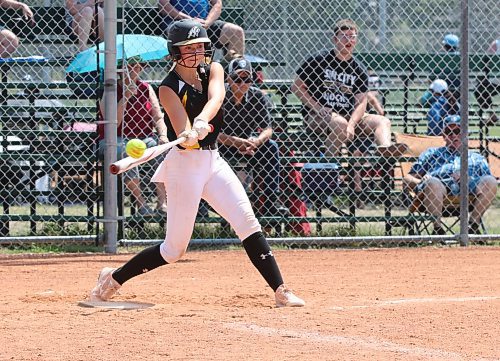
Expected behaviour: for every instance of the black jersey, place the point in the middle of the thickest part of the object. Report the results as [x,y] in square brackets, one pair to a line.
[249,117]
[333,82]
[193,101]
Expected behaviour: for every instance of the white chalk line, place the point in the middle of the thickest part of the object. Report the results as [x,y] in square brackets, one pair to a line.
[352,342]
[404,301]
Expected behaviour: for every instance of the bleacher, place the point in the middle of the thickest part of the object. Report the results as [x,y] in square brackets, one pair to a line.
[38,113]
[35,114]
[405,76]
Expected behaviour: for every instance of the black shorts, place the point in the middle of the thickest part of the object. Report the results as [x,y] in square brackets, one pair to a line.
[214,32]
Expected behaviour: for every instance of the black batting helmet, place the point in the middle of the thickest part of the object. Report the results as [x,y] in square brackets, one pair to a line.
[186,32]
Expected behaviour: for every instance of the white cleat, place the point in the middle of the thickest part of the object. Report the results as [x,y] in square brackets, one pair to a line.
[106,286]
[286,298]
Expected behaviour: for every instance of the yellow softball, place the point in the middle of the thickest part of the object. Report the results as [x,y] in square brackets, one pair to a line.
[135,148]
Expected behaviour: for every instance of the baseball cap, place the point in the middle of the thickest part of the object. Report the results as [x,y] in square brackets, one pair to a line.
[238,65]
[438,86]
[187,32]
[451,121]
[451,40]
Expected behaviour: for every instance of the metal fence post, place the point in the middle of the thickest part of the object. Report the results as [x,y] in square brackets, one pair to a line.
[464,125]
[110,119]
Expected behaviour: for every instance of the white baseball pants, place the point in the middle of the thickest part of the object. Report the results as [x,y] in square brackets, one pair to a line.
[190,175]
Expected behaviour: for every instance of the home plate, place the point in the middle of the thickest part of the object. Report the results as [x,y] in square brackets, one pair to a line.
[115,305]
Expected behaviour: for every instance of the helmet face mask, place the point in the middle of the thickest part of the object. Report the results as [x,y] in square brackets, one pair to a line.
[188,32]
[188,60]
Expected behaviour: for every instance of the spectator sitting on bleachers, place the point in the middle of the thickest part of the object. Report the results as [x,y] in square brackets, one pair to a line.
[442,104]
[246,111]
[8,40]
[80,18]
[226,36]
[450,72]
[436,175]
[139,113]
[333,88]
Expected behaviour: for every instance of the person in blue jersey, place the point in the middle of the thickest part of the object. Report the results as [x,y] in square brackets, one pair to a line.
[436,175]
[192,95]
[442,104]
[447,71]
[224,35]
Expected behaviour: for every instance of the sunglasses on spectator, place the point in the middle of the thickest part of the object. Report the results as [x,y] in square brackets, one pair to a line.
[452,131]
[238,79]
[347,36]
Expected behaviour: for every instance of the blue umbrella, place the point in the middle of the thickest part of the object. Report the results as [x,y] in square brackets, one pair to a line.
[143,47]
[255,59]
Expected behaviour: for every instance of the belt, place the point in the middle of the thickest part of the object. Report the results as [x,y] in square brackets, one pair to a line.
[212,146]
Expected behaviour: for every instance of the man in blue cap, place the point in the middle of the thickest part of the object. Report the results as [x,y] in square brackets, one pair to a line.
[436,175]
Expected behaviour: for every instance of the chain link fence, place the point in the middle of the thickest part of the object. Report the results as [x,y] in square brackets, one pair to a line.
[316,171]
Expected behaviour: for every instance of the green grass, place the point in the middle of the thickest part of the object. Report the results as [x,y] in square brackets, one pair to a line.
[49,248]
[208,231]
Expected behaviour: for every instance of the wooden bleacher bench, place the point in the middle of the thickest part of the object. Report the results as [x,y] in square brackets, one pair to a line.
[61,155]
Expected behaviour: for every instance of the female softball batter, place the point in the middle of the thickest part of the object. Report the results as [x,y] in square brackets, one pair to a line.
[192,95]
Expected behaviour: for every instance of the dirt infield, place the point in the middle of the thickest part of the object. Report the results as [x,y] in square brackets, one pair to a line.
[387,304]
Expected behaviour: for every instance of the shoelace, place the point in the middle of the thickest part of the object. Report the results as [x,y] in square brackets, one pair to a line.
[111,285]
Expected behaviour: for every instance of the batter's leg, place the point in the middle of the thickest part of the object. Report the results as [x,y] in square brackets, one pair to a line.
[227,196]
[185,178]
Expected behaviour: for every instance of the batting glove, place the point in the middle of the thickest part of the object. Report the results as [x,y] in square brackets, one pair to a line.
[202,127]
[191,138]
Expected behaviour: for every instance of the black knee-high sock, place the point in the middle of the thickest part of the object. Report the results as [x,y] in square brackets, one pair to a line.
[262,257]
[145,261]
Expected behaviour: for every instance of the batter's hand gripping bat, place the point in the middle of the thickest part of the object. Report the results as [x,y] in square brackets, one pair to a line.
[128,163]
